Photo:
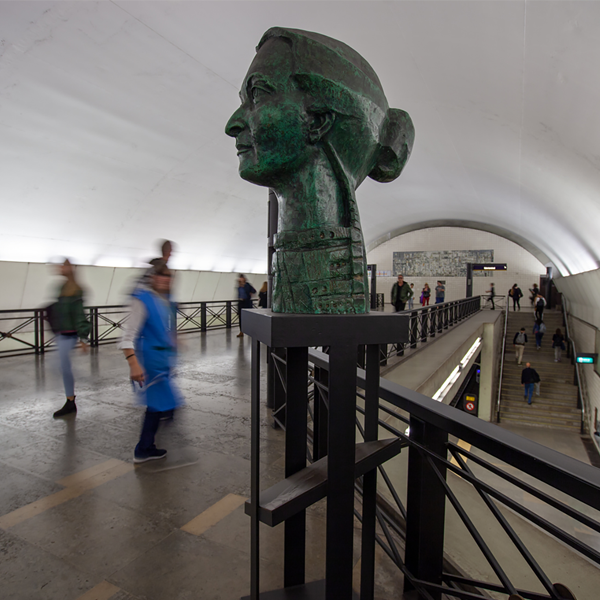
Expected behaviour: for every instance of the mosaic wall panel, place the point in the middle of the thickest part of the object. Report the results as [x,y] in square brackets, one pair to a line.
[444,263]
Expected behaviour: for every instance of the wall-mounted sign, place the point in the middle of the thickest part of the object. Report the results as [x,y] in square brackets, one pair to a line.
[490,267]
[586,358]
[470,403]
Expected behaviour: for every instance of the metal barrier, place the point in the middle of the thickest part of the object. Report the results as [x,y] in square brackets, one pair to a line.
[572,354]
[428,321]
[412,531]
[25,331]
[501,366]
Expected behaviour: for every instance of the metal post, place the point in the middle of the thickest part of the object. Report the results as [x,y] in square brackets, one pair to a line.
[424,325]
[227,314]
[469,291]
[203,316]
[295,460]
[340,479]
[367,577]
[425,507]
[414,329]
[42,332]
[255,471]
[36,335]
[278,389]
[321,415]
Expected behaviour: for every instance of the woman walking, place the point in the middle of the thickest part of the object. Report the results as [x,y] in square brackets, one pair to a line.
[68,321]
[516,294]
[558,343]
[426,293]
[149,344]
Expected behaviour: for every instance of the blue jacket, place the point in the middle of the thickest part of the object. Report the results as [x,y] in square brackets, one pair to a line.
[156,349]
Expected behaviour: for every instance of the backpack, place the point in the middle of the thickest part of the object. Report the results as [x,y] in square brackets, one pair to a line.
[520,338]
[540,303]
[542,328]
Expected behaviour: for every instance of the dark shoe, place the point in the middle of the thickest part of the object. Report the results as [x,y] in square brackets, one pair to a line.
[240,334]
[167,415]
[67,409]
[152,454]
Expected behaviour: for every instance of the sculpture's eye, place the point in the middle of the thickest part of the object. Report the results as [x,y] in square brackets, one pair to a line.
[257,94]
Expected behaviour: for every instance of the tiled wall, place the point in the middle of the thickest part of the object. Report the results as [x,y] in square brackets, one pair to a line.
[31,285]
[523,268]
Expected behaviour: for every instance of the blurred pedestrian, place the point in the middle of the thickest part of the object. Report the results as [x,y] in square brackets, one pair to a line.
[539,329]
[516,294]
[411,300]
[149,344]
[492,295]
[519,342]
[425,295]
[440,292]
[67,320]
[540,303]
[558,343]
[533,291]
[400,294]
[529,377]
[244,291]
[262,295]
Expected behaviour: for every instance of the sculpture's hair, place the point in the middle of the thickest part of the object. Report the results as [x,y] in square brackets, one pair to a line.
[341,80]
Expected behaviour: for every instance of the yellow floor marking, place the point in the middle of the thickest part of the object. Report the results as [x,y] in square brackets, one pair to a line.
[102,591]
[43,504]
[87,473]
[211,516]
[465,446]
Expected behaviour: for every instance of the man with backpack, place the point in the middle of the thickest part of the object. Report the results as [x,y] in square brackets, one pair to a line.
[519,342]
[529,377]
[540,303]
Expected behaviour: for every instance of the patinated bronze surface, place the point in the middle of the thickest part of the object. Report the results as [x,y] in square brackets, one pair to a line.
[313,124]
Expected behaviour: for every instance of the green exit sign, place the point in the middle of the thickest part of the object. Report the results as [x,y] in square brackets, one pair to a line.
[587,359]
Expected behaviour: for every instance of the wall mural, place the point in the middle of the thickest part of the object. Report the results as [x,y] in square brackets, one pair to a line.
[442,263]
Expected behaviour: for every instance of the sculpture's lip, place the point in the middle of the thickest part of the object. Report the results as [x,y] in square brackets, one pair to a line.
[243,148]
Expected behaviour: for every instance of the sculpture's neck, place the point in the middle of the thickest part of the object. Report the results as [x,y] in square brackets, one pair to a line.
[313,198]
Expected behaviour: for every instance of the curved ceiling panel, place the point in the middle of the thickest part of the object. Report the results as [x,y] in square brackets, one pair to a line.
[112,118]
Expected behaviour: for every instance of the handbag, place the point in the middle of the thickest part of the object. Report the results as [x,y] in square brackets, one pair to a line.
[51,315]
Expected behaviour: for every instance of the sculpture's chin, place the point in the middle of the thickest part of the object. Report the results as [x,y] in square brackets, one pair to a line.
[254,176]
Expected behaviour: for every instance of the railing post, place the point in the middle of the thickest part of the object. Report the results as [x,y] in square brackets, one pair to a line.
[440,319]
[424,325]
[95,338]
[425,506]
[42,335]
[37,321]
[228,314]
[203,319]
[321,415]
[414,325]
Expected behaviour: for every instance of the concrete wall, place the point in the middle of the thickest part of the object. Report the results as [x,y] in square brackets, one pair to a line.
[30,285]
[523,268]
[583,301]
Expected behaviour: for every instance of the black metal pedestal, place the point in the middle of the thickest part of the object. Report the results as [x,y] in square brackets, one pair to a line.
[343,460]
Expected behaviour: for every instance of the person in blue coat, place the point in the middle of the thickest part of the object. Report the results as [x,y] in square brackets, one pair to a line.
[149,345]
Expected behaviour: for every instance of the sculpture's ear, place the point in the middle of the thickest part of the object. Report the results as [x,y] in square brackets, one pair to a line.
[396,139]
[321,121]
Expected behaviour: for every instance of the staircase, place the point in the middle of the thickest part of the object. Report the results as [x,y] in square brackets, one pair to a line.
[556,406]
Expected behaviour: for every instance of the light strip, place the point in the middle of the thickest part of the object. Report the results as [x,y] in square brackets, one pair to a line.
[451,380]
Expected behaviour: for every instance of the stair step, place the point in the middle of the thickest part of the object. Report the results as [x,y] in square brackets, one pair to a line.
[291,495]
[569,426]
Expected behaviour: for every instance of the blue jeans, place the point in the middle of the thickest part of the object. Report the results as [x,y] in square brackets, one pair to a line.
[529,391]
[66,343]
[538,339]
[410,303]
[439,300]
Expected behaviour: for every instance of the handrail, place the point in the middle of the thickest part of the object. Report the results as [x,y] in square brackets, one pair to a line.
[27,328]
[581,400]
[502,365]
[432,453]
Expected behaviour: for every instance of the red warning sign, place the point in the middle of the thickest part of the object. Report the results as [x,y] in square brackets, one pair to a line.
[470,406]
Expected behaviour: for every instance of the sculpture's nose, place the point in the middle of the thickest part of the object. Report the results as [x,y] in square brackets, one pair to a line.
[236,123]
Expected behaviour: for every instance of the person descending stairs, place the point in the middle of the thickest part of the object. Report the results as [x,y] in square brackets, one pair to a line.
[556,406]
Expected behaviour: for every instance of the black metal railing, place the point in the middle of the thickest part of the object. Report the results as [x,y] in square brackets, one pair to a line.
[495,465]
[428,321]
[572,354]
[499,396]
[25,331]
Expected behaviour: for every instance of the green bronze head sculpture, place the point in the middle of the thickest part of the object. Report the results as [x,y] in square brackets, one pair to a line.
[313,124]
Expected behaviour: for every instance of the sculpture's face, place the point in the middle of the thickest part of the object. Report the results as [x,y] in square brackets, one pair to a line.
[270,127]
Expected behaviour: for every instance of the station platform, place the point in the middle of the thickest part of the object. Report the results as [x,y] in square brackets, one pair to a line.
[80,521]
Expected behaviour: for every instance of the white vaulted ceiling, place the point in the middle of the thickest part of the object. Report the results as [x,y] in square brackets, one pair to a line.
[112,118]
